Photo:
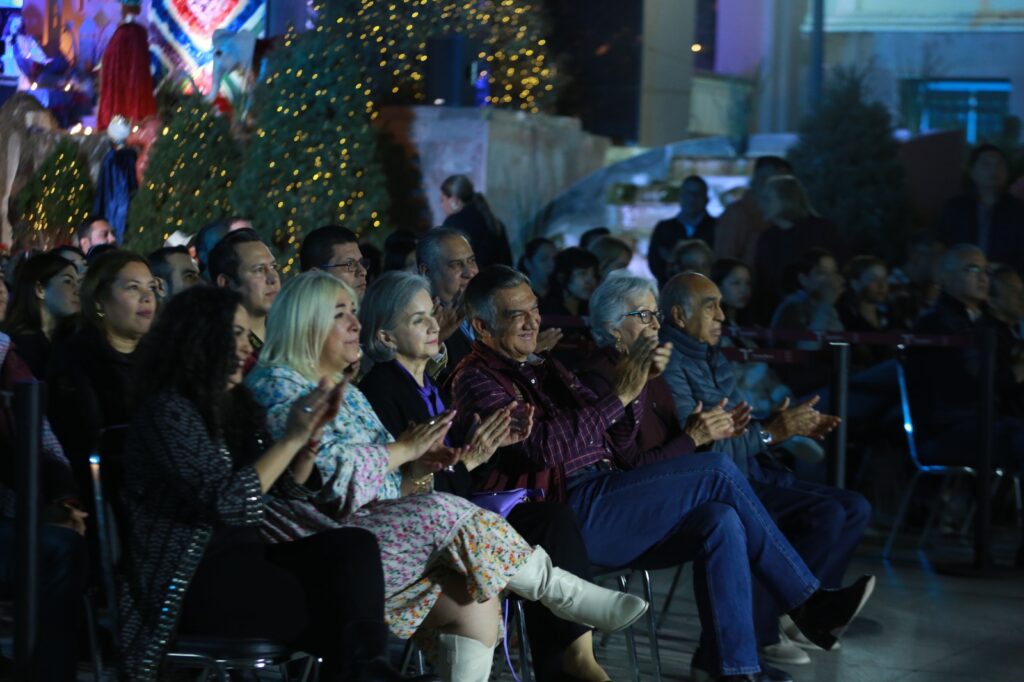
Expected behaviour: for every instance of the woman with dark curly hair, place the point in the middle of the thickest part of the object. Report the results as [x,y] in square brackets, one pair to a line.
[196,467]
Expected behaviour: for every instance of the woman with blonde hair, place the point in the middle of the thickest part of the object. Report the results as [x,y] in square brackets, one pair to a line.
[795,228]
[445,560]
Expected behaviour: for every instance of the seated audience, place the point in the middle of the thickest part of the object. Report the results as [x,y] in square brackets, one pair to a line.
[400,251]
[945,410]
[812,307]
[335,250]
[204,241]
[538,263]
[742,222]
[756,382]
[43,310]
[73,254]
[399,333]
[467,211]
[693,222]
[573,281]
[97,251]
[987,215]
[592,235]
[4,298]
[795,228]
[691,255]
[445,559]
[62,564]
[913,287]
[864,306]
[197,466]
[448,262]
[697,507]
[243,263]
[824,524]
[174,270]
[93,232]
[626,310]
[90,375]
[612,254]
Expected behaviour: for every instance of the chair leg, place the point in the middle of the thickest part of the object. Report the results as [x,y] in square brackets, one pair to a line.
[1018,507]
[900,515]
[939,506]
[652,627]
[671,595]
[525,665]
[634,660]
[94,640]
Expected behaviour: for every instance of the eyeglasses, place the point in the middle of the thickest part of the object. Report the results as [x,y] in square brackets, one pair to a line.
[646,316]
[975,270]
[350,265]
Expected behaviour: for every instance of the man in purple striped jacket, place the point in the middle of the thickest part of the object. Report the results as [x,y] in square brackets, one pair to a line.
[696,508]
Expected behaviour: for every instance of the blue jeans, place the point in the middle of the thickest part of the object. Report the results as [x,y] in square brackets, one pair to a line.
[696,508]
[825,525]
[62,576]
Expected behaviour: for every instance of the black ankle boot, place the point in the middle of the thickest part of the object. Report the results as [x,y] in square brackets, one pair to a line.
[825,615]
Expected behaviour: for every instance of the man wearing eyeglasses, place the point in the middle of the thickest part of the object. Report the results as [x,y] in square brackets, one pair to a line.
[335,250]
[943,382]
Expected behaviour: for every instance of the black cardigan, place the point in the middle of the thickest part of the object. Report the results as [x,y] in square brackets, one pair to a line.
[392,394]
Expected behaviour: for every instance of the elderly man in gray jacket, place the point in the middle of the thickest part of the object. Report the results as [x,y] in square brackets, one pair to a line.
[825,524]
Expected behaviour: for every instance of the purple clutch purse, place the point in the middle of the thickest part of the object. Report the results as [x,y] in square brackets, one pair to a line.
[501,502]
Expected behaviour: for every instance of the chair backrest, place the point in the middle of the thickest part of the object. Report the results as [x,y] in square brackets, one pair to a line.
[105,470]
[908,420]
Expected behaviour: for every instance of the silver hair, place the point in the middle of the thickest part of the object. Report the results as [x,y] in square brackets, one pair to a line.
[381,309]
[676,292]
[428,247]
[610,303]
[479,297]
[953,258]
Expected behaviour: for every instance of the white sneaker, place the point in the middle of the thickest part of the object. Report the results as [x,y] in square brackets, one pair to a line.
[785,652]
[791,632]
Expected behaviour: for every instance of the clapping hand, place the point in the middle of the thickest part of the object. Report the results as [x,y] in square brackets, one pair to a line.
[548,339]
[707,426]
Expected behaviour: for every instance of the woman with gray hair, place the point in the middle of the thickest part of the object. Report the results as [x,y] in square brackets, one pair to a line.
[445,560]
[399,333]
[624,312]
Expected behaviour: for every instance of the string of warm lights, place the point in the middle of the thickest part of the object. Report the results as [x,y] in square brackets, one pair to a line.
[312,159]
[191,170]
[58,196]
[512,51]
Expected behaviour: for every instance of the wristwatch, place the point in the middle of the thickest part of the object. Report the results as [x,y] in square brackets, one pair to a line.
[766,438]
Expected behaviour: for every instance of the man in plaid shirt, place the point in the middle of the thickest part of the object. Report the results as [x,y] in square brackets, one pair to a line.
[698,507]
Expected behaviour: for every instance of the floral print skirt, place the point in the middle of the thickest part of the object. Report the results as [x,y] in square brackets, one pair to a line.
[422,539]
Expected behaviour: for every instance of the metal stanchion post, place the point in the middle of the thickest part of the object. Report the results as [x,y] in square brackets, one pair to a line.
[28,407]
[986,417]
[838,397]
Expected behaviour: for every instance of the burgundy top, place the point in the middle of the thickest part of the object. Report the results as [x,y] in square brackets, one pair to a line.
[572,426]
[660,435]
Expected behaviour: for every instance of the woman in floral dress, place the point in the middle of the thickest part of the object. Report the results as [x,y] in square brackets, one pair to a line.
[445,560]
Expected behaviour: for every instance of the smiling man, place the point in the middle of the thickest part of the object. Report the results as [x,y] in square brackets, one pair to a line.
[694,508]
[824,524]
[240,261]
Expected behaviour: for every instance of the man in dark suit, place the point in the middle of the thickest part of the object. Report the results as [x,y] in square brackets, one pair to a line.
[693,222]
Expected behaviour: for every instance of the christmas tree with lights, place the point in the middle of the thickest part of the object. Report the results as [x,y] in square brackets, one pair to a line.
[188,179]
[509,36]
[312,159]
[58,196]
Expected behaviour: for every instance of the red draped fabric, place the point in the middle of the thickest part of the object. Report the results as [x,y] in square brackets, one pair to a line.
[126,85]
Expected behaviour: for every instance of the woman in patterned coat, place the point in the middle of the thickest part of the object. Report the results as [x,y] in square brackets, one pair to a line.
[195,474]
[445,560]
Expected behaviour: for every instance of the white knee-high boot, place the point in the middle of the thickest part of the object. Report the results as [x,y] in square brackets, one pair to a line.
[463,659]
[574,599]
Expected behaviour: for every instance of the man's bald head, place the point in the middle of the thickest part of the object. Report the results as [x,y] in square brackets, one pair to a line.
[692,302]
